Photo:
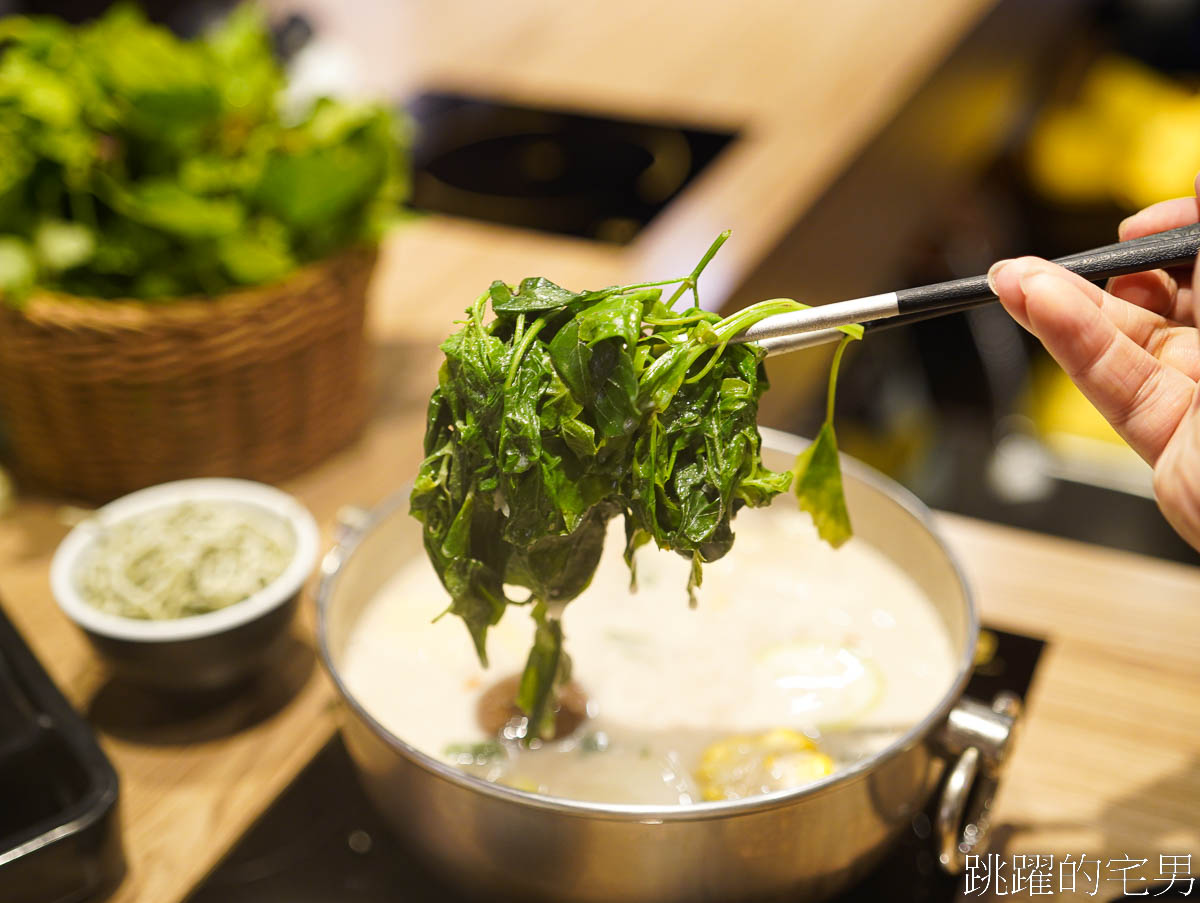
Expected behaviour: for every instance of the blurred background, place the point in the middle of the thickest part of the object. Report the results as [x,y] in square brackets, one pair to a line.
[1034,127]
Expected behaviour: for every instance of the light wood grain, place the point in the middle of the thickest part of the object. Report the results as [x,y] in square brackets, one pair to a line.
[807,82]
[1109,758]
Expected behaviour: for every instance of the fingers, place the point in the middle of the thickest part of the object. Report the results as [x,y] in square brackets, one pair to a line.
[1177,479]
[1139,395]
[1160,217]
[1179,348]
[1194,296]
[1157,291]
[1174,345]
[1144,327]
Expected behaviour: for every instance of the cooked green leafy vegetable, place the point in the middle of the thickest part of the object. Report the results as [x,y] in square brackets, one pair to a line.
[569,408]
[137,164]
[818,485]
[482,753]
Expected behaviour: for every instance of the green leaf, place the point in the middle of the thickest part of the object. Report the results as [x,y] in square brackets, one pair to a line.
[818,483]
[818,487]
[249,79]
[535,294]
[156,161]
[593,354]
[16,165]
[38,90]
[61,245]
[635,538]
[256,256]
[317,185]
[580,438]
[167,84]
[18,268]
[164,205]
[557,567]
[569,409]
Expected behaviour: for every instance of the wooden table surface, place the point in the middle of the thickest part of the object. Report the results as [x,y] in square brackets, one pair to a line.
[1109,761]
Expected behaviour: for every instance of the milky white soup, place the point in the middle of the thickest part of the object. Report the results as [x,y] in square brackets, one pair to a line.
[799,660]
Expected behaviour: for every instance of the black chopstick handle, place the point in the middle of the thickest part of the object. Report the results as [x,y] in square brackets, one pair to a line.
[919,316]
[1164,249]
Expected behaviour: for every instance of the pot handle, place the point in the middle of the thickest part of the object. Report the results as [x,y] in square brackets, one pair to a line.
[349,524]
[980,737]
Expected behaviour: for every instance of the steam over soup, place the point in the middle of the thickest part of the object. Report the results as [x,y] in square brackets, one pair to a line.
[799,660]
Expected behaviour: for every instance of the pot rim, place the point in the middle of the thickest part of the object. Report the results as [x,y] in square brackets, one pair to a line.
[776,440]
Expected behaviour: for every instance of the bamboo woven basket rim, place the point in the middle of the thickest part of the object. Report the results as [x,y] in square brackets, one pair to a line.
[53,311]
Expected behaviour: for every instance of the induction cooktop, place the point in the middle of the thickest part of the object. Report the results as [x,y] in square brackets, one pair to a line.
[599,177]
[321,842]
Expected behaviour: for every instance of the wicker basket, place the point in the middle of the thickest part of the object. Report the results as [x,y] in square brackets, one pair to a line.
[98,398]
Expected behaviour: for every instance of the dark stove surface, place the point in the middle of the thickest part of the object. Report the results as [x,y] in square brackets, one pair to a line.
[597,177]
[321,842]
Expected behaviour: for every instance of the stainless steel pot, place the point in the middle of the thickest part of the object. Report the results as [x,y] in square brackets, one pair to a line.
[807,844]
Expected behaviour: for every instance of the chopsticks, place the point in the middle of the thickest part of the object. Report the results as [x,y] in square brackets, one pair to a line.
[818,325]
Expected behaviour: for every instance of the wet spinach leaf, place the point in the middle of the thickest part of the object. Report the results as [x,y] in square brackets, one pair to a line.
[570,408]
[818,484]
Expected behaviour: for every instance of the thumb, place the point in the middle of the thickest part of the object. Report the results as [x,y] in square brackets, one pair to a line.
[1195,275]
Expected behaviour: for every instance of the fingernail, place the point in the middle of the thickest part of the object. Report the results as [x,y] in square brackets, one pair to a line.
[993,272]
[1123,226]
[1026,279]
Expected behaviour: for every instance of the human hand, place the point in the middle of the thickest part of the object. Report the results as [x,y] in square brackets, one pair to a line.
[1133,349]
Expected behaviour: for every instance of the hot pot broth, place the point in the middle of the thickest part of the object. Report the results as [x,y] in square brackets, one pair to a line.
[798,660]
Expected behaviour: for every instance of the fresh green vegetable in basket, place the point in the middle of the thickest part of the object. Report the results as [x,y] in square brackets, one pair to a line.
[137,164]
[569,408]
